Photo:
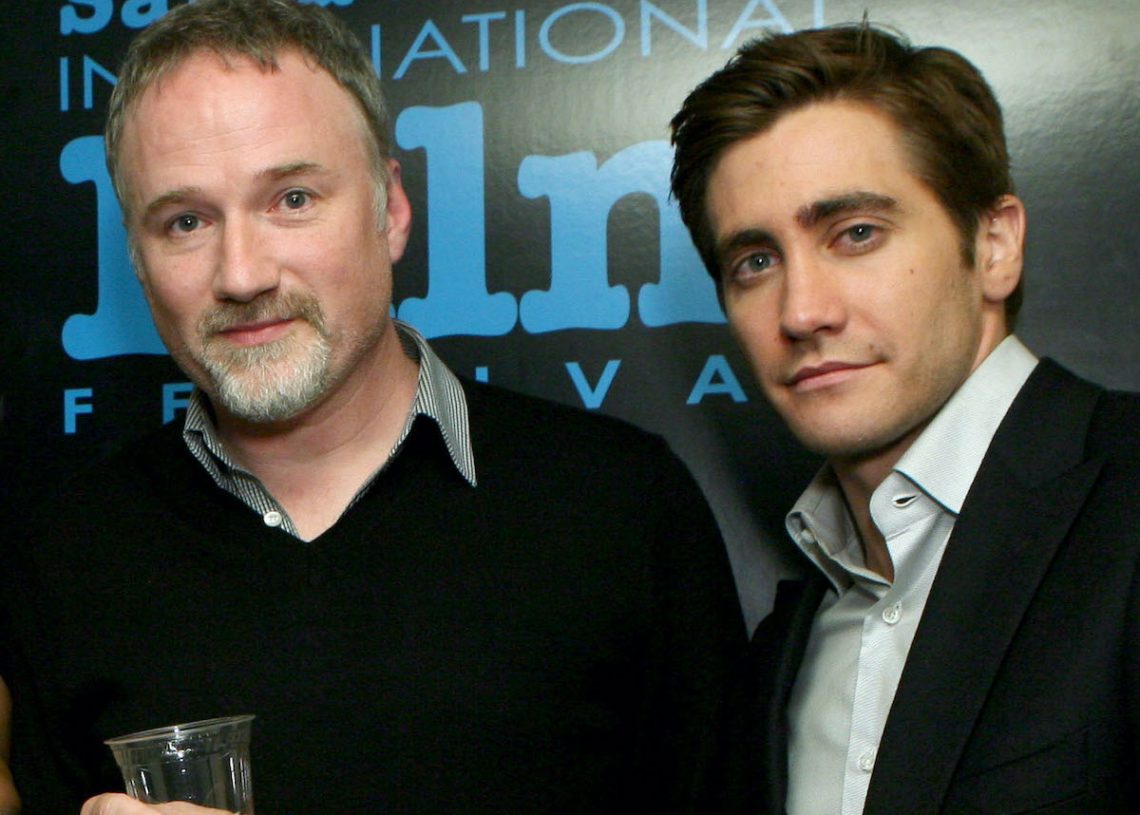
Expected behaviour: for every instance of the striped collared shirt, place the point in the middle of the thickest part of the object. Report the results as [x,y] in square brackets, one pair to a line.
[439,397]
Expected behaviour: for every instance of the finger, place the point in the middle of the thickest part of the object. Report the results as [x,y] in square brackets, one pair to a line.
[114,803]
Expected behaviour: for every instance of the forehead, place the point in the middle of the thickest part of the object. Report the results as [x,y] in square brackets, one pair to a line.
[822,151]
[210,110]
[206,76]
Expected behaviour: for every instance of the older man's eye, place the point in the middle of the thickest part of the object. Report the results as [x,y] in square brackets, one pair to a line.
[186,223]
[295,199]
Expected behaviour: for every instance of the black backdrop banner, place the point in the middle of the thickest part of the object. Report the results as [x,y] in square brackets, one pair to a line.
[546,254]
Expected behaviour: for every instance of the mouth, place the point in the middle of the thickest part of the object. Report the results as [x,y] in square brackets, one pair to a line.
[256,333]
[812,377]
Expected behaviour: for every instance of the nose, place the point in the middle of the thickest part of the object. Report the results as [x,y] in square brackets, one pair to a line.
[246,266]
[811,299]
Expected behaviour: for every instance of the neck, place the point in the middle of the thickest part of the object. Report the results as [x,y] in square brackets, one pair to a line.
[858,481]
[313,464]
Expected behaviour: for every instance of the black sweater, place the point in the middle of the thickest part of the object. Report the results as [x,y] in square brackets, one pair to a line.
[553,640]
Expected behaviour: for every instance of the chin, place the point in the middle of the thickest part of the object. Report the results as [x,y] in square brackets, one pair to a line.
[835,442]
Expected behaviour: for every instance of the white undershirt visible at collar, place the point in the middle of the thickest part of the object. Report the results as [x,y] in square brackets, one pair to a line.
[865,625]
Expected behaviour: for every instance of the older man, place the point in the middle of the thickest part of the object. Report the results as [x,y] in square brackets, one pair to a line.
[969,640]
[435,596]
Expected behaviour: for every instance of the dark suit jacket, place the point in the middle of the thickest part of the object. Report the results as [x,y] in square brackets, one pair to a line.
[1021,692]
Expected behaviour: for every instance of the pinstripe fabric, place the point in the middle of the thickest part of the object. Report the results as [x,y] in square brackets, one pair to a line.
[439,397]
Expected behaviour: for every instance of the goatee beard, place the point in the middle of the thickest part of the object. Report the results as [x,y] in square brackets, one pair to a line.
[273,381]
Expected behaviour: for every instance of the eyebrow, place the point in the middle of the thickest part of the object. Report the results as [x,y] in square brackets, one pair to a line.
[175,196]
[859,201]
[278,173]
[291,170]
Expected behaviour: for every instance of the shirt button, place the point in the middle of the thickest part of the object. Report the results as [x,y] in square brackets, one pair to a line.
[807,537]
[272,518]
[892,613]
[867,761]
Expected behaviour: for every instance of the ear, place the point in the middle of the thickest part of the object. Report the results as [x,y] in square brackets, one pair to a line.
[134,254]
[398,213]
[1000,248]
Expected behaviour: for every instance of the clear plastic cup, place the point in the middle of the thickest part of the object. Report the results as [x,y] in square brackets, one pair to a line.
[205,763]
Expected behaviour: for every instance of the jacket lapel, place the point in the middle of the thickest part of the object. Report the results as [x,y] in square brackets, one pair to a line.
[794,618]
[1025,497]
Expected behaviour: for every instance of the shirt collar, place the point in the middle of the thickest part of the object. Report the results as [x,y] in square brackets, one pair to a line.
[945,458]
[823,530]
[439,397]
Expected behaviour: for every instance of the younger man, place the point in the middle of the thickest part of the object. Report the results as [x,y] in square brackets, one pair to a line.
[970,638]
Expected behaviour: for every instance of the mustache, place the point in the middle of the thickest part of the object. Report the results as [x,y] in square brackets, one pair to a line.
[264,308]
